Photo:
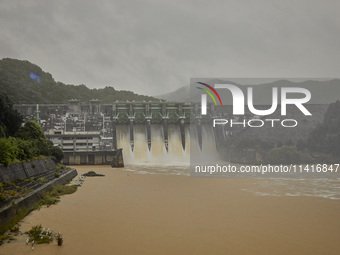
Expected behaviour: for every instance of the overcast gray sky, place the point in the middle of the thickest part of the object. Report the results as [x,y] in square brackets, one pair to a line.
[153,47]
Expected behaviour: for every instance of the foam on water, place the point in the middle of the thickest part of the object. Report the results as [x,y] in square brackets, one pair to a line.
[323,188]
[176,161]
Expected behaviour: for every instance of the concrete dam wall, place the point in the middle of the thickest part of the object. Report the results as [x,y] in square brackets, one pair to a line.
[159,131]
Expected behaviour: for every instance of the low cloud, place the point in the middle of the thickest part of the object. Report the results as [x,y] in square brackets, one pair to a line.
[153,47]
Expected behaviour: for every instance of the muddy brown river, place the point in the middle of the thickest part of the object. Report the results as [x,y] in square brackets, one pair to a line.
[141,211]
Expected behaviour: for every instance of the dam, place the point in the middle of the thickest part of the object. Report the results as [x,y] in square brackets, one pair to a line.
[155,132]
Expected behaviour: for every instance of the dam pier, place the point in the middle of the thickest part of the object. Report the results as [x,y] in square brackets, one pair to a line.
[93,133]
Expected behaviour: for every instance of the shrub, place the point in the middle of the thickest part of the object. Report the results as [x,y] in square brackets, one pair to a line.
[7,152]
[48,200]
[39,235]
[60,166]
[29,143]
[52,197]
[14,229]
[3,197]
[42,180]
[59,190]
[56,153]
[59,238]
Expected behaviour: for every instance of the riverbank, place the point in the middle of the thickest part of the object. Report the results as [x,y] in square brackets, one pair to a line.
[11,213]
[129,213]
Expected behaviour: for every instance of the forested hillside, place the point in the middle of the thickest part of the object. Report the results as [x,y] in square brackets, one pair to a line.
[326,137]
[25,82]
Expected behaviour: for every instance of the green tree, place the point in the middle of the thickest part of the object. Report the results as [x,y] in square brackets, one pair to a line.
[7,152]
[25,149]
[30,131]
[46,148]
[56,153]
[10,119]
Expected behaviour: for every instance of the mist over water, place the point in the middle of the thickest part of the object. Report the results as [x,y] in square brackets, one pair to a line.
[208,152]
[158,160]
[176,161]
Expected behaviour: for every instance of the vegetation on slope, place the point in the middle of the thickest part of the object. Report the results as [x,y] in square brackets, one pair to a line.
[22,143]
[321,146]
[326,136]
[15,81]
[53,197]
[10,119]
[29,143]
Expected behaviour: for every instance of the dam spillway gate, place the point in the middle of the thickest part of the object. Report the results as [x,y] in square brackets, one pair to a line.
[108,119]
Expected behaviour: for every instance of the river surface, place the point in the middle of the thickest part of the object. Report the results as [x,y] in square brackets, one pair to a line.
[312,187]
[161,210]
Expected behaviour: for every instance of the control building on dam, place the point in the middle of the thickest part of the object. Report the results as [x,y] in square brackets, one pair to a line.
[78,127]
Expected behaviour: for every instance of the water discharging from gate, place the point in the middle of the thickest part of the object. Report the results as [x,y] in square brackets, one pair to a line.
[158,154]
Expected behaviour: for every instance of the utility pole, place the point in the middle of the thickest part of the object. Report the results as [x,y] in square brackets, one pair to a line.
[38,120]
